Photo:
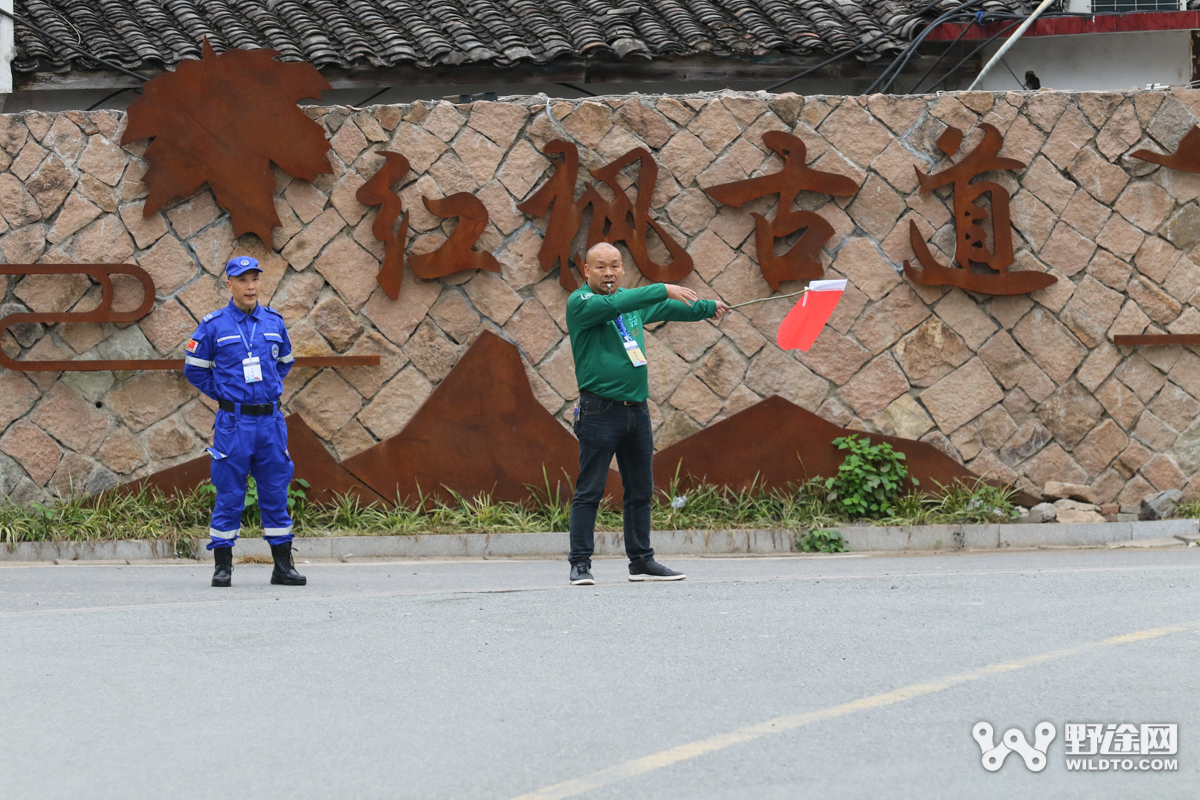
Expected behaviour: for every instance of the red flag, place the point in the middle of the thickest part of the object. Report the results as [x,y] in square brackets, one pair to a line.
[804,322]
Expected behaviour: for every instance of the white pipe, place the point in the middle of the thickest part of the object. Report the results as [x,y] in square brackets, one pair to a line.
[8,51]
[1011,41]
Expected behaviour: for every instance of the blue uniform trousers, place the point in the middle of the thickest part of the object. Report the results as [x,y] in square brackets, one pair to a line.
[250,445]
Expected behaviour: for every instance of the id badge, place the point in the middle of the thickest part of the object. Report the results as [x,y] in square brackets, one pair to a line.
[252,369]
[635,353]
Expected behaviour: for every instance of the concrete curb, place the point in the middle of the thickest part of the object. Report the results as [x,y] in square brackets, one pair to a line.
[859,538]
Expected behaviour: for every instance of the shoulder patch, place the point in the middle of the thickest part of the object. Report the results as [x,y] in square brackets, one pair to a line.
[191,345]
[212,315]
[586,295]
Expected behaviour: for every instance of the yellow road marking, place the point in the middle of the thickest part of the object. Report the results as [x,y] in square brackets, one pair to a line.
[685,752]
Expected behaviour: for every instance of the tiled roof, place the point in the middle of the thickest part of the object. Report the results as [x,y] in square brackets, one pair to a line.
[149,34]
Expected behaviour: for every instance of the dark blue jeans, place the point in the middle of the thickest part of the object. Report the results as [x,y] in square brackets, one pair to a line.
[606,429]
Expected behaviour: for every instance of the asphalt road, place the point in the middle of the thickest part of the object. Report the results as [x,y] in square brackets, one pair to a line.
[823,677]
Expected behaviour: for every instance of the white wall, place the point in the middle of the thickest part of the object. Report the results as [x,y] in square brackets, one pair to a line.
[1095,62]
[7,51]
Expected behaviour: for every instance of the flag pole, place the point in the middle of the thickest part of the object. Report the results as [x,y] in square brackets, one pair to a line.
[765,299]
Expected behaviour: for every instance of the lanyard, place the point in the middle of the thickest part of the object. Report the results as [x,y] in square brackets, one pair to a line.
[238,325]
[621,329]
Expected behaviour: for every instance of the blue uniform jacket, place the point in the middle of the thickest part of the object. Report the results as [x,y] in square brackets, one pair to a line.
[214,354]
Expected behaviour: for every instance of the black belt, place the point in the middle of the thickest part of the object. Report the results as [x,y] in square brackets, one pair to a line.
[252,409]
[614,402]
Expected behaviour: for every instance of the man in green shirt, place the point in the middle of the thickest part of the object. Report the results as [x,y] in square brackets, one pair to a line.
[607,340]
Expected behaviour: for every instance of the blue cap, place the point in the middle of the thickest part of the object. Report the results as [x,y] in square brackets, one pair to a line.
[237,266]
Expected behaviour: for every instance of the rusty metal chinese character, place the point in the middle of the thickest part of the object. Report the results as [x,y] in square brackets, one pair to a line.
[565,217]
[456,254]
[377,192]
[970,237]
[800,262]
[103,312]
[613,221]
[1186,157]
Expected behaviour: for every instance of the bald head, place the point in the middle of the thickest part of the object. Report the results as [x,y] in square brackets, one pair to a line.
[603,269]
[602,249]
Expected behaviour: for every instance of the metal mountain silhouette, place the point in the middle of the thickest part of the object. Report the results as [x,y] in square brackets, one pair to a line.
[481,431]
[777,444]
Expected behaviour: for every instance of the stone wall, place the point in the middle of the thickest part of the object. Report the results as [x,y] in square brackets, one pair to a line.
[1025,388]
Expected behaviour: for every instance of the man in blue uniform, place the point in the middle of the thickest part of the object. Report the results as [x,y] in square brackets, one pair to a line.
[239,356]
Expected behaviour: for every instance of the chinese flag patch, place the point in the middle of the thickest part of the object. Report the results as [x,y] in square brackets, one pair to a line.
[191,345]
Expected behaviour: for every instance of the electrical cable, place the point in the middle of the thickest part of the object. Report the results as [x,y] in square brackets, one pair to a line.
[110,96]
[372,97]
[1020,82]
[977,18]
[76,48]
[854,49]
[892,70]
[993,15]
[971,54]
[1042,6]
[903,57]
[578,89]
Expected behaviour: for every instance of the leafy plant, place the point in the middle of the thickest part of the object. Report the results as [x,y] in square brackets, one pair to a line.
[297,500]
[821,541]
[870,479]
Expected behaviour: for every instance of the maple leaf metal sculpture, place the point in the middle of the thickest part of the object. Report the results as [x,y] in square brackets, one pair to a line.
[224,119]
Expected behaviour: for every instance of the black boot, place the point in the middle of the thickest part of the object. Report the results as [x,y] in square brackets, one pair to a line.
[284,572]
[223,574]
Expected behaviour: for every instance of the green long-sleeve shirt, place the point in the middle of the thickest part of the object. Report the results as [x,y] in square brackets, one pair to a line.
[602,366]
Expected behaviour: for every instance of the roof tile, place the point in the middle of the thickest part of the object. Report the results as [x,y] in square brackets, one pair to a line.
[150,34]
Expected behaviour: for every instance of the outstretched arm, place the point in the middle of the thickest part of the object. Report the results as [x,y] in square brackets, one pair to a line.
[685,308]
[587,310]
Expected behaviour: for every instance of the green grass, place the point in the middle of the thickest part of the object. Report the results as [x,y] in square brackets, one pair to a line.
[975,503]
[147,514]
[1189,510]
